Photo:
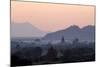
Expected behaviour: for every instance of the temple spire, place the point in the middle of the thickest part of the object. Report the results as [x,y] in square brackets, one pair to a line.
[63,39]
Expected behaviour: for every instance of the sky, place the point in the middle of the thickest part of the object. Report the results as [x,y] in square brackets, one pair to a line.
[52,17]
[88,2]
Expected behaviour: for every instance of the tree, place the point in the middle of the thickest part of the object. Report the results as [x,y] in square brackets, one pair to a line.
[75,41]
[16,60]
[17,46]
[51,55]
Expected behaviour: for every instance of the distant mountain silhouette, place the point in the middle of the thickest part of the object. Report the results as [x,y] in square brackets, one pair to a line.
[86,33]
[25,30]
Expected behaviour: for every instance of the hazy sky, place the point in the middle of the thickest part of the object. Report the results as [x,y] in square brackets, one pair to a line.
[88,2]
[52,17]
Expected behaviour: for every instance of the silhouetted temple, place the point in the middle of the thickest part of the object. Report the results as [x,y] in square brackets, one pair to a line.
[63,39]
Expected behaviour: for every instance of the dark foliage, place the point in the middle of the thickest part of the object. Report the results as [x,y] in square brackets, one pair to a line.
[76,52]
[26,56]
[50,56]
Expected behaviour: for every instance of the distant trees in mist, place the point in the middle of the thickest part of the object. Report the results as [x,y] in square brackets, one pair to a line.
[78,52]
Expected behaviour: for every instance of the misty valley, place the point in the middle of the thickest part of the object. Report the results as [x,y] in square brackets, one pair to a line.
[72,44]
[36,51]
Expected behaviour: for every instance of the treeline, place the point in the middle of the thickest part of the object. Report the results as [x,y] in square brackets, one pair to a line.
[81,52]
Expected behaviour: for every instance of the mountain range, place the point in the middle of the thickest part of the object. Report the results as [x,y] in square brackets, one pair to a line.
[86,33]
[25,30]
